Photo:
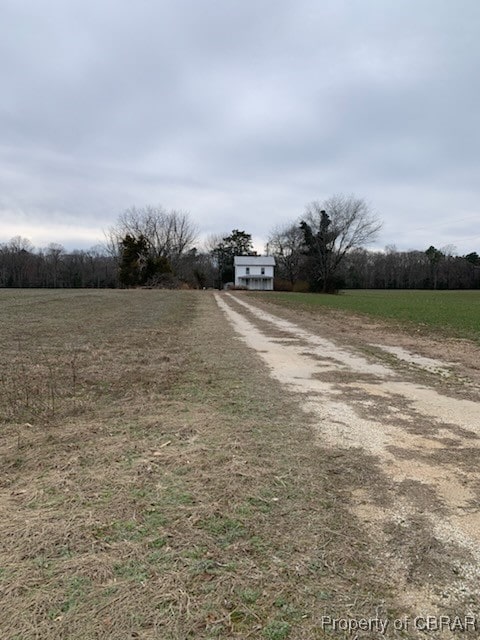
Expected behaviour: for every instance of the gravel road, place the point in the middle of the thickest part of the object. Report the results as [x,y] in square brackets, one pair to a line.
[425,439]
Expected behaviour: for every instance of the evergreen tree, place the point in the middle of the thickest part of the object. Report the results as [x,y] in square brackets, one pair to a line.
[238,243]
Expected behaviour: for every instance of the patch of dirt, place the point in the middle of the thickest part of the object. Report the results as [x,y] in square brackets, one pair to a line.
[416,427]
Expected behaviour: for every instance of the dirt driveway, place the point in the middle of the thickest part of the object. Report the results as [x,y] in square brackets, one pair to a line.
[418,416]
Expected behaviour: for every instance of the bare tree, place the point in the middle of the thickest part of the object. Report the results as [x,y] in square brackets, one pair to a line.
[435,256]
[54,255]
[211,242]
[168,234]
[331,229]
[19,252]
[287,245]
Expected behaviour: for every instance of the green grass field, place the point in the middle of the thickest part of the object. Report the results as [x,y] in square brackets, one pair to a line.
[456,313]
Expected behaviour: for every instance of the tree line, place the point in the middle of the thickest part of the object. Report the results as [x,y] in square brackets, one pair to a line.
[323,250]
[388,269]
[21,265]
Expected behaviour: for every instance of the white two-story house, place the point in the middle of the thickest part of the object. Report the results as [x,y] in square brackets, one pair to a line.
[254,272]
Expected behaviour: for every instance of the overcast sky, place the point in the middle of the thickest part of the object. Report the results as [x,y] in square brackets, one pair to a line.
[241,112]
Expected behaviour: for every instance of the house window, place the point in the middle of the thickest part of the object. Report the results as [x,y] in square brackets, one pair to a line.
[247,270]
[263,271]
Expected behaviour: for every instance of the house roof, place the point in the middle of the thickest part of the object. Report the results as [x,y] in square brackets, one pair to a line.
[250,261]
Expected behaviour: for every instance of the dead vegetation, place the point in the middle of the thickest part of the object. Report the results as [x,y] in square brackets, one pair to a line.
[174,491]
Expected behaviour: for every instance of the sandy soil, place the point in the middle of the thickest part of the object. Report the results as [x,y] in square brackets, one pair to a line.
[416,414]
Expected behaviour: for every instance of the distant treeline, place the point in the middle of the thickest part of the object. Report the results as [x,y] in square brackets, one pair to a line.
[324,251]
[429,269]
[391,269]
[23,266]
[54,267]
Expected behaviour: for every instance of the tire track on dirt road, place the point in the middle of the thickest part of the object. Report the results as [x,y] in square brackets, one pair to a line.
[426,444]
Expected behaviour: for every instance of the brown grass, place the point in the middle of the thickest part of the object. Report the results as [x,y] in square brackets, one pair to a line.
[172,490]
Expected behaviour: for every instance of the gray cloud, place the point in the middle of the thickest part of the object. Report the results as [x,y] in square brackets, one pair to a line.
[239,112]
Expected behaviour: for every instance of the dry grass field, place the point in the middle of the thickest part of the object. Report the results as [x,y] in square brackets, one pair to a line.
[156,483]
